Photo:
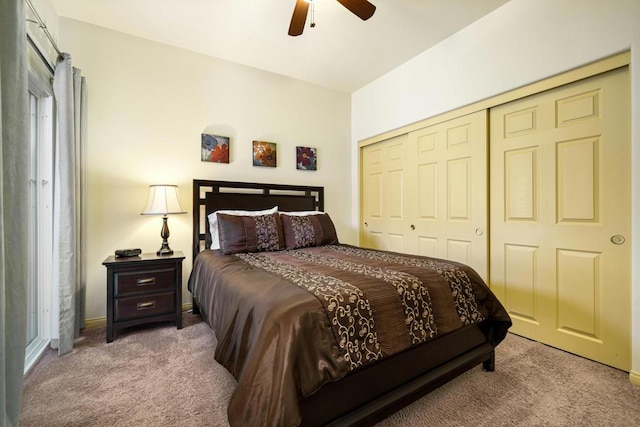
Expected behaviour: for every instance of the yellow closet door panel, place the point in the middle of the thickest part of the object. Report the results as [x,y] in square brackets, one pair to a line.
[451,190]
[426,192]
[386,207]
[560,193]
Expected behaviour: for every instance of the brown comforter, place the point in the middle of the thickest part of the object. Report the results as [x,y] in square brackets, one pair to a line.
[287,322]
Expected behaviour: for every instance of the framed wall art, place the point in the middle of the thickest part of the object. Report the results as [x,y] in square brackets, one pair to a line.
[215,148]
[306,158]
[265,154]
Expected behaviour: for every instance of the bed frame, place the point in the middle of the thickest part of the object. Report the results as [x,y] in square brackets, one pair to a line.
[376,391]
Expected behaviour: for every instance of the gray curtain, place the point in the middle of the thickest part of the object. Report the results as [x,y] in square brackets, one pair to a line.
[69,88]
[14,135]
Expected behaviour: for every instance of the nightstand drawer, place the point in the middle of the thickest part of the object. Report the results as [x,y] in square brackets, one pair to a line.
[144,281]
[144,305]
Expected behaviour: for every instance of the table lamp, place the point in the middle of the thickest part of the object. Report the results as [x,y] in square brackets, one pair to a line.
[163,200]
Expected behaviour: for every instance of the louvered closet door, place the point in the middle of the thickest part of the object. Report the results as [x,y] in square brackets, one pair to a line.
[560,216]
[450,192]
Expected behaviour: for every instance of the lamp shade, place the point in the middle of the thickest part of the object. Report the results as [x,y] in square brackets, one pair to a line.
[163,200]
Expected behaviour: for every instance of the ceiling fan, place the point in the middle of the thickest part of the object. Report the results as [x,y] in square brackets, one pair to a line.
[361,8]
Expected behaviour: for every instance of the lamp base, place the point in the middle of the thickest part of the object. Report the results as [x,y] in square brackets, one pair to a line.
[164,233]
[164,251]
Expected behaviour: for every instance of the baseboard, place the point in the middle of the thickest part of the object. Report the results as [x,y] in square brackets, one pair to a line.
[634,377]
[96,322]
[101,322]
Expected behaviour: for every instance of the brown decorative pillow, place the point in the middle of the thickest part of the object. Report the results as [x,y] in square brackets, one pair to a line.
[302,231]
[213,222]
[240,233]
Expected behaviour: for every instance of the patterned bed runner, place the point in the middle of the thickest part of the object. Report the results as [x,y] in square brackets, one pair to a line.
[340,278]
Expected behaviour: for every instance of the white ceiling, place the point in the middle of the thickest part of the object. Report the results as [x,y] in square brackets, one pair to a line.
[342,52]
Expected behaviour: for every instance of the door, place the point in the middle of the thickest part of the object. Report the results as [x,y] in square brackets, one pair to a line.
[425,192]
[386,216]
[449,193]
[560,216]
[39,220]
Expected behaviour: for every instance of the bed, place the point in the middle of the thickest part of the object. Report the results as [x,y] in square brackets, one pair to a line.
[317,332]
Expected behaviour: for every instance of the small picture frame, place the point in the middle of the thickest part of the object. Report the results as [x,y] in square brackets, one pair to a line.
[265,154]
[306,158]
[215,148]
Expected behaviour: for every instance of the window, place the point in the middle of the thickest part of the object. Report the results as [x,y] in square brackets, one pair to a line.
[40,218]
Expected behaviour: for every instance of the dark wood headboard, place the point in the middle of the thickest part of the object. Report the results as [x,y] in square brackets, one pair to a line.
[211,196]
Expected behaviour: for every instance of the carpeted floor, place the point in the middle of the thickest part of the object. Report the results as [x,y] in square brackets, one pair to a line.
[159,376]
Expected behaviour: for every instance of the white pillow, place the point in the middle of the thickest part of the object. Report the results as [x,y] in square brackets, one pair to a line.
[303,213]
[213,221]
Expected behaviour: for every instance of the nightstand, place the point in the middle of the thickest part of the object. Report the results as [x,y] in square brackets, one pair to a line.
[143,289]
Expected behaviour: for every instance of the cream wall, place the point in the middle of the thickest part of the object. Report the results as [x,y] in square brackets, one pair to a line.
[522,42]
[149,104]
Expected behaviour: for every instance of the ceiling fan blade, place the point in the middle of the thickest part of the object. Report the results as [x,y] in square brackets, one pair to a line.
[299,18]
[361,8]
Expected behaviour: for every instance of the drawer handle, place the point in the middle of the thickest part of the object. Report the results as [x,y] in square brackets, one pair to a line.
[146,305]
[146,282]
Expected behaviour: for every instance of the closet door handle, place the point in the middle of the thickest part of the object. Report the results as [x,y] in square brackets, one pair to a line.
[617,239]
[413,227]
[366,225]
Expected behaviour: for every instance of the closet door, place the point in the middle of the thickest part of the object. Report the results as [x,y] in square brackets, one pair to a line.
[450,191]
[560,216]
[385,203]
[426,192]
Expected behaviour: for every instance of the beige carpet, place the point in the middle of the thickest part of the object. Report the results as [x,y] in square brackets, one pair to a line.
[159,376]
